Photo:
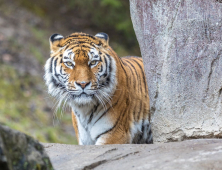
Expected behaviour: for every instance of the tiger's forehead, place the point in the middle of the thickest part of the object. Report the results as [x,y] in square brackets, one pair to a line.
[81,45]
[80,39]
[90,53]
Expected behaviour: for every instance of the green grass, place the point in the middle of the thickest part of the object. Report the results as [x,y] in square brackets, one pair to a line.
[40,36]
[41,43]
[22,108]
[37,54]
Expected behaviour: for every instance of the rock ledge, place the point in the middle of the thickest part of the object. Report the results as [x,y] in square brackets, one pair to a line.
[192,154]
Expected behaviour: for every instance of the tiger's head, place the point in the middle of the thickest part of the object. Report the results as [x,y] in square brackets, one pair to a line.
[81,69]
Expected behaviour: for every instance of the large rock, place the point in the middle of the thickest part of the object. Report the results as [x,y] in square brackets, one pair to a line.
[193,155]
[21,152]
[180,42]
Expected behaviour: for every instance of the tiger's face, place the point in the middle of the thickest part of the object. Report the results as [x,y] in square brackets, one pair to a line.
[81,69]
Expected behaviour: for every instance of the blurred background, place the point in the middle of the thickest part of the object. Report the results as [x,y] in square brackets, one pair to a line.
[25,27]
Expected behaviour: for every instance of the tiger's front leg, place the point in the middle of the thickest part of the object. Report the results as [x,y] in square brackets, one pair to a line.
[117,137]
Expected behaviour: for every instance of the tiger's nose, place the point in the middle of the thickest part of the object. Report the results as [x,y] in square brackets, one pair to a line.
[82,84]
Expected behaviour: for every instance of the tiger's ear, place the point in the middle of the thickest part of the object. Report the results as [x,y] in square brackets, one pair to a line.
[54,42]
[104,37]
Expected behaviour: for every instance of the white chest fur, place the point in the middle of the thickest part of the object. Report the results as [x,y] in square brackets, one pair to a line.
[92,121]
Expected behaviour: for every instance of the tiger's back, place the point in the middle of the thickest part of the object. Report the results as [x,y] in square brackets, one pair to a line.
[137,96]
[108,95]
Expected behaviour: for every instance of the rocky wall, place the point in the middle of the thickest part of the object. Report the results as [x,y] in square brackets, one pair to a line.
[181,45]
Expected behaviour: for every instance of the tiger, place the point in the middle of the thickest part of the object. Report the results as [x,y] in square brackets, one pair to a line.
[108,95]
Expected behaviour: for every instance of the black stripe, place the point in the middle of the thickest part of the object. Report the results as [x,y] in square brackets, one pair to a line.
[66,47]
[62,75]
[149,137]
[142,70]
[119,118]
[86,43]
[107,110]
[121,63]
[54,81]
[86,35]
[105,113]
[133,67]
[143,126]
[83,38]
[138,116]
[134,83]
[106,131]
[85,46]
[76,113]
[76,45]
[101,68]
[56,74]
[61,70]
[110,67]
[141,134]
[136,75]
[105,74]
[134,116]
[90,118]
[55,63]
[108,72]
[124,63]
[91,115]
[142,129]
[107,80]
[66,42]
[82,42]
[51,64]
[150,131]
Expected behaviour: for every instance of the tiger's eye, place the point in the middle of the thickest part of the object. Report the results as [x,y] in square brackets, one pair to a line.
[68,63]
[93,62]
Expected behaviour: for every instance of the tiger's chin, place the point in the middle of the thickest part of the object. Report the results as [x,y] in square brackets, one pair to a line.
[82,100]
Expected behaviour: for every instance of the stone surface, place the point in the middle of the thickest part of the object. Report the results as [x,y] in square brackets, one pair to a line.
[180,42]
[193,155]
[21,152]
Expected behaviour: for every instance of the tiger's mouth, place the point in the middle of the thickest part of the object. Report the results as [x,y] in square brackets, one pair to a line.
[82,95]
[81,99]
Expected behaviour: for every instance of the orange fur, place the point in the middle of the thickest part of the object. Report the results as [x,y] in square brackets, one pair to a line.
[75,125]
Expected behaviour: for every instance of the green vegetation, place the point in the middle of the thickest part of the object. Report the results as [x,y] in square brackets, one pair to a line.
[110,16]
[21,107]
[106,14]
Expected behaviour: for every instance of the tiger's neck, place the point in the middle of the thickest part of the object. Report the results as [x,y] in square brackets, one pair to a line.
[90,122]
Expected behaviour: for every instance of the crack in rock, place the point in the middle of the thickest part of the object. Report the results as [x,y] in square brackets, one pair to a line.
[121,157]
[98,163]
[94,165]
[111,150]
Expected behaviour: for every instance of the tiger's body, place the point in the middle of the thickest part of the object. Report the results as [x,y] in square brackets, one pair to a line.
[108,95]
